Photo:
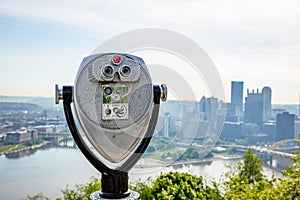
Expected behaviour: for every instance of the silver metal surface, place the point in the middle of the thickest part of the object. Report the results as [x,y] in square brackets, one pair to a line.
[133,195]
[98,65]
[113,123]
[164,92]
[58,94]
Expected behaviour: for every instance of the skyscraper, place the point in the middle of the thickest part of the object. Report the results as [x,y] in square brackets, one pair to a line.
[267,103]
[202,108]
[208,108]
[211,108]
[237,89]
[166,124]
[285,126]
[254,108]
[299,108]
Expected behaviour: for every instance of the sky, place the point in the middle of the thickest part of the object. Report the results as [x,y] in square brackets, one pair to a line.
[43,42]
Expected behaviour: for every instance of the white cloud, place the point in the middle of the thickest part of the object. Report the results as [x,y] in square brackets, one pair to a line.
[247,16]
[244,38]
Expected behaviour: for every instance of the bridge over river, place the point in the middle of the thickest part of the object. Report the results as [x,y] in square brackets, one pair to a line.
[271,154]
[62,134]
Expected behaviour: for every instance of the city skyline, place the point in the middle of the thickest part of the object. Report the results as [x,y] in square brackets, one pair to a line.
[237,92]
[254,42]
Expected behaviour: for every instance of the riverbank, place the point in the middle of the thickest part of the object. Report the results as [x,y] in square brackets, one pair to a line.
[18,148]
[51,168]
[150,163]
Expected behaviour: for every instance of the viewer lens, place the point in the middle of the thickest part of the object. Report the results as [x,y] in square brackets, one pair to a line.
[108,71]
[125,71]
[108,90]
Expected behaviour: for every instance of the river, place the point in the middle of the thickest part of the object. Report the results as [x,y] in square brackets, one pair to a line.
[50,169]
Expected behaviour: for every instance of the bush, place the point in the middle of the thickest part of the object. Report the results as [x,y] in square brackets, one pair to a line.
[82,191]
[244,181]
[175,185]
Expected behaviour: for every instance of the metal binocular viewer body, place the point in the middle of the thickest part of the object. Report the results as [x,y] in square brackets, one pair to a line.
[116,108]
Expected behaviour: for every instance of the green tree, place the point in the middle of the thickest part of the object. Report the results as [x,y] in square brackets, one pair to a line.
[38,196]
[82,191]
[192,152]
[175,185]
[290,186]
[246,180]
[251,169]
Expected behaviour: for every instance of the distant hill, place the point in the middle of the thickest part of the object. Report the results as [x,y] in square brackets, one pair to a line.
[173,107]
[291,108]
[40,101]
[9,106]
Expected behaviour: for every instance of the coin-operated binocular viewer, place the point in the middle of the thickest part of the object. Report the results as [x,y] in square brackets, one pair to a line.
[116,108]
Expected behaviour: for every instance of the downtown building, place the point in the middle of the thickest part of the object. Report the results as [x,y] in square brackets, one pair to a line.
[208,108]
[285,126]
[237,90]
[258,106]
[22,135]
[267,103]
[254,108]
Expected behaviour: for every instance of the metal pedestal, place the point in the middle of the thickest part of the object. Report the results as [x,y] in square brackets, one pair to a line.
[97,196]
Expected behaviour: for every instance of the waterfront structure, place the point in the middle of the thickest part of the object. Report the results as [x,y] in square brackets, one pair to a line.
[2,138]
[285,126]
[269,129]
[237,89]
[21,135]
[232,130]
[297,129]
[250,129]
[18,136]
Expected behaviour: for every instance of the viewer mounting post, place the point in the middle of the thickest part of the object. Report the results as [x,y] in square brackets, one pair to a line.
[116,108]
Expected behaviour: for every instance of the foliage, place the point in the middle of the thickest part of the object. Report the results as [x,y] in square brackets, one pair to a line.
[243,142]
[32,142]
[233,150]
[194,152]
[174,155]
[290,187]
[5,148]
[246,181]
[251,169]
[175,185]
[159,143]
[82,191]
[246,177]
[38,196]
[8,148]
